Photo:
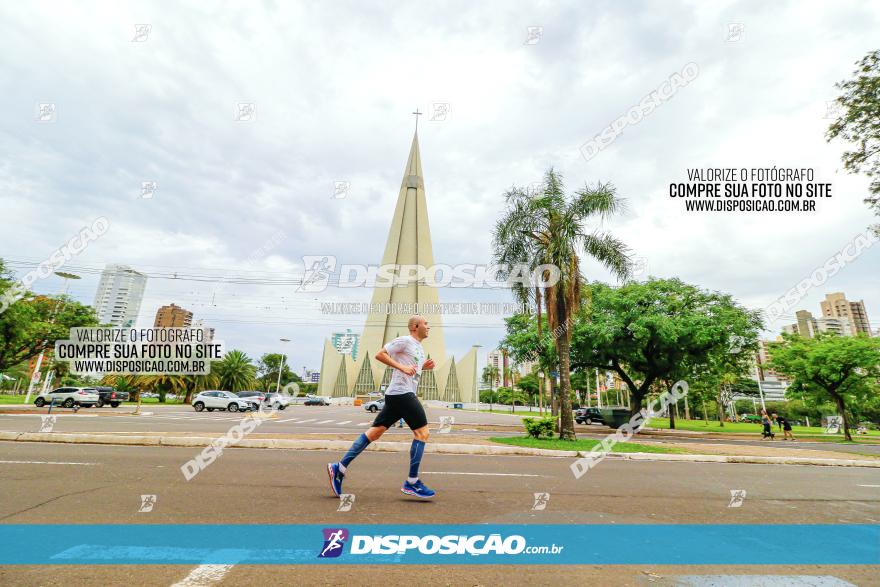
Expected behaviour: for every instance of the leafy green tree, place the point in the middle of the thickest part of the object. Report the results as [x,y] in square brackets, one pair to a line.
[488,396]
[546,228]
[843,369]
[267,371]
[530,385]
[859,123]
[34,323]
[235,371]
[528,341]
[649,331]
[509,396]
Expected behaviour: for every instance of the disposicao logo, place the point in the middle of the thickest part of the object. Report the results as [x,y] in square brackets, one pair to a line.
[334,540]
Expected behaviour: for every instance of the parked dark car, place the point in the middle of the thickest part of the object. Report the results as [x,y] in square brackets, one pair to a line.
[110,396]
[588,416]
[316,401]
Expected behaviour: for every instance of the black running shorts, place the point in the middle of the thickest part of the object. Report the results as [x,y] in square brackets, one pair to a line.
[406,406]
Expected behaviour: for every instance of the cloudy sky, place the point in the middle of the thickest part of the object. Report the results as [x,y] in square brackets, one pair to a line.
[333,85]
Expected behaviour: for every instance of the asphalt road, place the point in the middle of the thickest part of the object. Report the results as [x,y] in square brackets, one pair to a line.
[104,484]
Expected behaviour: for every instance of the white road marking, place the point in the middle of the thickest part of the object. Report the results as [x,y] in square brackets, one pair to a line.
[345,422]
[324,422]
[289,420]
[43,463]
[364,424]
[204,575]
[860,485]
[309,420]
[481,474]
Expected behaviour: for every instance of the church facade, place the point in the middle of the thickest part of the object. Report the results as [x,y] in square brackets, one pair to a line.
[408,243]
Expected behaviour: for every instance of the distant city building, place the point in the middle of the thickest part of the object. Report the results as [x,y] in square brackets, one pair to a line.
[836,305]
[527,367]
[173,316]
[119,296]
[496,359]
[315,377]
[346,343]
[209,332]
[773,385]
[808,326]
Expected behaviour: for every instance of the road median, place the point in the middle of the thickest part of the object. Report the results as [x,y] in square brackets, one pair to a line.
[433,447]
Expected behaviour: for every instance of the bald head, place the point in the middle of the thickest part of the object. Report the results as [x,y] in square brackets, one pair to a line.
[418,327]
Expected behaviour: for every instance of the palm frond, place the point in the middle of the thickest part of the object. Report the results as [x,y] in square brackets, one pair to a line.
[611,252]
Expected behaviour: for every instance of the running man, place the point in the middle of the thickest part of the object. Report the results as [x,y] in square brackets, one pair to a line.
[407,357]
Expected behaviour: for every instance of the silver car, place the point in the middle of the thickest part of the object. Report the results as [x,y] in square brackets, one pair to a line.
[375,406]
[69,396]
[220,400]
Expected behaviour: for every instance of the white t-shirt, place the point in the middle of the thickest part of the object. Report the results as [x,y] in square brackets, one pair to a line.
[406,350]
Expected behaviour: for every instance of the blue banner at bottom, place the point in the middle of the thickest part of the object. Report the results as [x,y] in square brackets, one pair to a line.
[690,544]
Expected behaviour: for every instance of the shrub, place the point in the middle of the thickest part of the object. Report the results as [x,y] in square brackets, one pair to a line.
[540,427]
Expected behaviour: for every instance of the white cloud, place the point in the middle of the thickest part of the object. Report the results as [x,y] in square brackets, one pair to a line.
[334,86]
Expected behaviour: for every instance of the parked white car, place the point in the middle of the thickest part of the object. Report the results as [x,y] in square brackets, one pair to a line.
[69,396]
[220,400]
[277,401]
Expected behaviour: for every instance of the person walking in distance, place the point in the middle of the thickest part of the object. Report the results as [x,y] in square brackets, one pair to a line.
[786,428]
[407,357]
[768,426]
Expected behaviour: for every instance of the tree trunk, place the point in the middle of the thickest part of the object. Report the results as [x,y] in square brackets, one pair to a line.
[672,409]
[554,399]
[687,411]
[720,411]
[705,413]
[189,397]
[841,410]
[566,431]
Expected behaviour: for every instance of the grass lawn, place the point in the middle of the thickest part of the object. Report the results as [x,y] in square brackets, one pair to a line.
[522,414]
[746,428]
[583,444]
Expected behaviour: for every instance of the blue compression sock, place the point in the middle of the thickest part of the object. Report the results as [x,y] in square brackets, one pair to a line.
[415,457]
[356,448]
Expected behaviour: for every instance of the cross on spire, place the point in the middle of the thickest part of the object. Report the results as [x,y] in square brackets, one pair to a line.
[417,113]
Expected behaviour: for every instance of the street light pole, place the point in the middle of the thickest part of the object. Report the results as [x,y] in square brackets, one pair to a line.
[67,277]
[476,384]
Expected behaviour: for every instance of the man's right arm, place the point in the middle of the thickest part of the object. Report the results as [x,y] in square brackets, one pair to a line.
[383,357]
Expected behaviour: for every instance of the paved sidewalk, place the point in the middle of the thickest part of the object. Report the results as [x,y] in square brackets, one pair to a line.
[453,444]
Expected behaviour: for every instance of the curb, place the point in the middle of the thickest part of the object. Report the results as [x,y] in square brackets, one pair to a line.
[438,448]
[757,460]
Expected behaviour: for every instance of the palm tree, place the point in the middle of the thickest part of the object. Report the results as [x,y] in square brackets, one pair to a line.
[235,372]
[546,228]
[490,374]
[198,383]
[165,383]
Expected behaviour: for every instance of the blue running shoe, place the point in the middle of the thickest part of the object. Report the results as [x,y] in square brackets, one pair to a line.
[336,477]
[417,489]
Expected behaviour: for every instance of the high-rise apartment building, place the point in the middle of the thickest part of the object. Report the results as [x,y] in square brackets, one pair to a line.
[836,305]
[808,326]
[119,296]
[173,316]
[496,359]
